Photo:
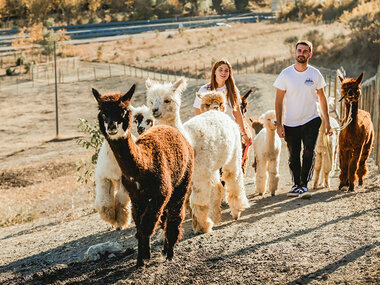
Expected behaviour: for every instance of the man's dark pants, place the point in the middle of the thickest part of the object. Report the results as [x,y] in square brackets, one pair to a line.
[307,134]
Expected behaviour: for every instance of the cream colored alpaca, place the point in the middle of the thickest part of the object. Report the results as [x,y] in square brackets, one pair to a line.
[111,199]
[326,153]
[212,100]
[215,138]
[267,149]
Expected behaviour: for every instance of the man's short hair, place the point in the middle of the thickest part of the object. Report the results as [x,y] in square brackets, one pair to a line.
[306,43]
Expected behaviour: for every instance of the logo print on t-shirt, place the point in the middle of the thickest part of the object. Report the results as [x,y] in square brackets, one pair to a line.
[309,82]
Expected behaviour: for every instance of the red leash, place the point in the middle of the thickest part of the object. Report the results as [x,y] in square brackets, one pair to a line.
[246,151]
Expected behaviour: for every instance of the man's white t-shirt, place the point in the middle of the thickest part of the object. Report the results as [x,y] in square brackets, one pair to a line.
[300,100]
[207,87]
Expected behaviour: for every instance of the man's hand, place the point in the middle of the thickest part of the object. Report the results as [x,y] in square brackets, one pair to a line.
[281,131]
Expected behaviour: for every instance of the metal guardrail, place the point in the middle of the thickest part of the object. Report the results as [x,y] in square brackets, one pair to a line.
[133,27]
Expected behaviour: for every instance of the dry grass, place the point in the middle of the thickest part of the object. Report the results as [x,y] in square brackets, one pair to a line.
[183,50]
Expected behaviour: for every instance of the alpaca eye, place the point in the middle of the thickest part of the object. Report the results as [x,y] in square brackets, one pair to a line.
[167,101]
[207,105]
[149,122]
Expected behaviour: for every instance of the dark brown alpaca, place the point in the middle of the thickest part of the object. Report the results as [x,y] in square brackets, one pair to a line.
[156,170]
[355,141]
[243,108]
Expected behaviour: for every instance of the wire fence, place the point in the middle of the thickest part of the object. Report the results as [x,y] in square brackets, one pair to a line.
[71,70]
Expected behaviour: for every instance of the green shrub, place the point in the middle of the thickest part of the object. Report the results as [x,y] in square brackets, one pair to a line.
[85,169]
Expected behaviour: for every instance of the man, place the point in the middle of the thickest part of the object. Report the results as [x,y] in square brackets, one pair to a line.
[299,87]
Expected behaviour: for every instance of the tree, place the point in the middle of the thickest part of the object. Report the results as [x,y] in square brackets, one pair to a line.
[241,5]
[216,5]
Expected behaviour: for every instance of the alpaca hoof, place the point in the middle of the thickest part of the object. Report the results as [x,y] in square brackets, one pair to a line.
[236,215]
[360,182]
[118,228]
[273,194]
[140,263]
[343,188]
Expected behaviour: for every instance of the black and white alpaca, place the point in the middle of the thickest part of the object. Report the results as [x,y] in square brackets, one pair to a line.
[156,171]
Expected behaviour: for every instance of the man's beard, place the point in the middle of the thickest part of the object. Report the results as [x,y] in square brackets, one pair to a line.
[301,59]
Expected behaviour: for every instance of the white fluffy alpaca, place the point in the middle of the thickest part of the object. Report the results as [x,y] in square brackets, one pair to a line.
[215,138]
[267,149]
[326,153]
[111,199]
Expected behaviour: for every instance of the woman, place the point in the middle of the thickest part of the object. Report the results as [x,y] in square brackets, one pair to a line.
[222,79]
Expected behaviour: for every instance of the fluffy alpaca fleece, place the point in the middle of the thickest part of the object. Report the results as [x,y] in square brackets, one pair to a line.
[355,141]
[215,138]
[156,171]
[212,100]
[111,199]
[267,148]
[326,150]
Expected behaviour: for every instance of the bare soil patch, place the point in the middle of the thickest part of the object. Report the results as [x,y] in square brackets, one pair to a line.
[331,238]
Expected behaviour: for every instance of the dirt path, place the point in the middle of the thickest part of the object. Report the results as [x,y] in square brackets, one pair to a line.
[331,238]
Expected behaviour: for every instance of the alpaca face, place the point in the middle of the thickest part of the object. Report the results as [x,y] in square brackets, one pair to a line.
[351,89]
[164,98]
[212,100]
[143,118]
[114,113]
[269,120]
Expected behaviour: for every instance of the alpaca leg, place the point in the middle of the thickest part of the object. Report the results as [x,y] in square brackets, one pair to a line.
[362,171]
[327,166]
[151,212]
[352,169]
[105,200]
[217,195]
[123,206]
[199,203]
[261,176]
[237,199]
[273,170]
[187,202]
[343,162]
[317,168]
[176,215]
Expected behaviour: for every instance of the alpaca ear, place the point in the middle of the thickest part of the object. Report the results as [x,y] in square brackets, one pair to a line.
[96,94]
[247,94]
[340,78]
[128,95]
[360,78]
[148,83]
[179,85]
[200,96]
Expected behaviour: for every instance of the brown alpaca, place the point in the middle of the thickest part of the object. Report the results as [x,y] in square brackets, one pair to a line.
[156,171]
[355,141]
[212,100]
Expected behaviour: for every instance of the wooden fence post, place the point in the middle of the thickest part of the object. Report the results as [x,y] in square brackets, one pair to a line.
[109,68]
[263,64]
[94,73]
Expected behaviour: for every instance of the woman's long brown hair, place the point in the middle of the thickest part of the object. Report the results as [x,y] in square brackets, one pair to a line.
[232,92]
